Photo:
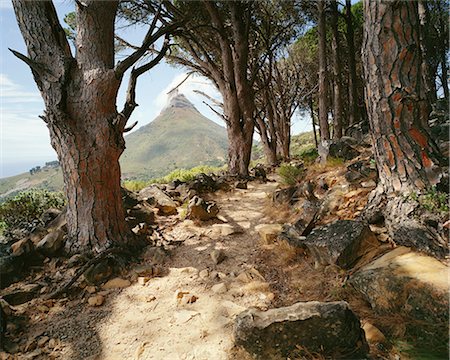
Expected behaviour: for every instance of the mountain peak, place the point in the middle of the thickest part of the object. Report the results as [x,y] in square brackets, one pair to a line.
[178,100]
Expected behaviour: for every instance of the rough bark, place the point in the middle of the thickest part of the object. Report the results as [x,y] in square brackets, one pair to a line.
[85,127]
[311,109]
[323,84]
[443,48]
[353,107]
[338,120]
[406,156]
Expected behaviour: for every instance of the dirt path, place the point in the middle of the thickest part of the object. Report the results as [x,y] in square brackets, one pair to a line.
[187,313]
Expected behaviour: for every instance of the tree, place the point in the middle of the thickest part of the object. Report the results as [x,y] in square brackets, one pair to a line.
[79,93]
[323,81]
[337,70]
[353,113]
[407,158]
[229,42]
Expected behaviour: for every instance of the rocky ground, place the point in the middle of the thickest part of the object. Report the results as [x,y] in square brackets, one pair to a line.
[230,277]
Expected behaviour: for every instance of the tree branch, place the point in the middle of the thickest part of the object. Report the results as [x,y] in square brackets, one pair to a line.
[38,68]
[130,103]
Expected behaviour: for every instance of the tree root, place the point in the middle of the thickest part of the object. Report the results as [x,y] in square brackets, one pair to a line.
[101,256]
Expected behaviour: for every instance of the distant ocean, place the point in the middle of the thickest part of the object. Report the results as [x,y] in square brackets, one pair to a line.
[16,168]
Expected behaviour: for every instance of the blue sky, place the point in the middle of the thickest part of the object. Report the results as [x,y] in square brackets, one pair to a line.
[24,138]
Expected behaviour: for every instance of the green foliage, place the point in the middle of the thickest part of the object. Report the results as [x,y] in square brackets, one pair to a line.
[332,161]
[178,174]
[290,174]
[28,206]
[309,154]
[432,200]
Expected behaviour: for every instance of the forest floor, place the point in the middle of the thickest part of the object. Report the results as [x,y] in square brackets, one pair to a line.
[218,269]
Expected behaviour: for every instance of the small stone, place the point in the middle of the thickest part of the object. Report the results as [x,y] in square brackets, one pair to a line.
[52,343]
[21,247]
[241,185]
[91,289]
[142,280]
[96,300]
[213,274]
[368,184]
[373,334]
[219,288]
[268,232]
[383,237]
[42,341]
[203,274]
[116,283]
[217,256]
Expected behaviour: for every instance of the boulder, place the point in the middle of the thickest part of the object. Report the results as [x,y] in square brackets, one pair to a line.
[203,183]
[141,214]
[129,198]
[407,283]
[330,329]
[49,215]
[22,247]
[22,294]
[343,148]
[199,209]
[58,223]
[165,204]
[268,232]
[52,243]
[259,172]
[97,273]
[284,196]
[341,242]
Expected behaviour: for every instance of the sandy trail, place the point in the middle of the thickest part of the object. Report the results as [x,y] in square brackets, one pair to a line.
[188,313]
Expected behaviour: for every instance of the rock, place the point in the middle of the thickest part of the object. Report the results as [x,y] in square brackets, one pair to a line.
[373,334]
[219,288]
[199,209]
[217,256]
[241,185]
[99,272]
[142,214]
[407,283]
[329,329]
[156,254]
[268,232]
[352,176]
[91,289]
[96,300]
[75,260]
[259,172]
[22,294]
[42,341]
[49,215]
[165,204]
[342,243]
[284,196]
[203,183]
[142,280]
[203,274]
[52,243]
[343,148]
[368,184]
[22,247]
[223,230]
[59,223]
[129,198]
[116,283]
[358,131]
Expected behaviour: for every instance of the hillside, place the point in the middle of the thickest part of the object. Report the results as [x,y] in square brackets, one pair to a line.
[179,137]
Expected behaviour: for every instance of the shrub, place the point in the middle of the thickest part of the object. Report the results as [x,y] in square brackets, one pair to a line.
[309,154]
[178,174]
[28,206]
[290,174]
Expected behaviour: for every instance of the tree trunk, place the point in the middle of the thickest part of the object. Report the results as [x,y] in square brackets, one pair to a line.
[85,128]
[443,46]
[311,109]
[429,79]
[323,85]
[239,151]
[269,143]
[337,69]
[353,107]
[406,156]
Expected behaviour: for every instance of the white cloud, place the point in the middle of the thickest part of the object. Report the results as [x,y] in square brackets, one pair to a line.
[5,4]
[11,92]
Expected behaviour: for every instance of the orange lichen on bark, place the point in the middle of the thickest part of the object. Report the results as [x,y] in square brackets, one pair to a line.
[426,161]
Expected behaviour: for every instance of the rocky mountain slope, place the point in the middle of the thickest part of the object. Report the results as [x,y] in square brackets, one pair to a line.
[179,137]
